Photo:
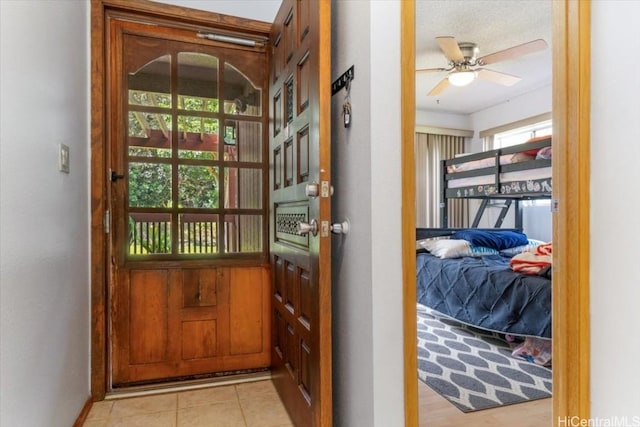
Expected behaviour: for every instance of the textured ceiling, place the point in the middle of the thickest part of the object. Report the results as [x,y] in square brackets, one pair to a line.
[493,25]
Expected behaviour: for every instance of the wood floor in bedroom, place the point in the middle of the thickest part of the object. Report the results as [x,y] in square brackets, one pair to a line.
[436,411]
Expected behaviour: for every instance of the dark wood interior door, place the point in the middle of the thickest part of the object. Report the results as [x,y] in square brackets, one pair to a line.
[189,284]
[300,195]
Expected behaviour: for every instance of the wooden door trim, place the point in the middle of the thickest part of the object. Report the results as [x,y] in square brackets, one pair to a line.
[324,414]
[150,11]
[571,127]
[98,205]
[408,113]
[571,108]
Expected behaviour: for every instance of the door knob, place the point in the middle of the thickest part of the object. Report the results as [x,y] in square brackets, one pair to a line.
[306,228]
[340,227]
[311,190]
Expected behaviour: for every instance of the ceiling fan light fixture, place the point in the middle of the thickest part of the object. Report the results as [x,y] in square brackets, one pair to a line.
[461,78]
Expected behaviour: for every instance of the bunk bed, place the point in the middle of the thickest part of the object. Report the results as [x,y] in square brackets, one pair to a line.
[511,174]
[479,288]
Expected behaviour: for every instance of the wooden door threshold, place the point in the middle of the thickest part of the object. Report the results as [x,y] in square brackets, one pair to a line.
[186,385]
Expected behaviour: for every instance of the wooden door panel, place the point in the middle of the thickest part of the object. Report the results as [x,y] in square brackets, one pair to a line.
[300,154]
[199,339]
[247,314]
[142,311]
[305,371]
[171,332]
[289,34]
[290,300]
[148,293]
[303,155]
[305,292]
[200,288]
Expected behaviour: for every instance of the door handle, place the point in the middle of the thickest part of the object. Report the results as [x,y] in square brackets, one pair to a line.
[313,189]
[306,228]
[114,176]
[340,227]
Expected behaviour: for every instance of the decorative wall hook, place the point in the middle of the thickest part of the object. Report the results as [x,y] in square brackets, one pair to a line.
[342,81]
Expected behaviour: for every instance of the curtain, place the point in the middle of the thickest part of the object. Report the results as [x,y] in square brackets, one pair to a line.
[430,149]
[488,143]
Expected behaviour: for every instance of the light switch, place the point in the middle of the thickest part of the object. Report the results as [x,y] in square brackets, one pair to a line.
[63,158]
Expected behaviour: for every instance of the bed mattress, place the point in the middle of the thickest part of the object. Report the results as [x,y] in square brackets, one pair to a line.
[486,293]
[523,175]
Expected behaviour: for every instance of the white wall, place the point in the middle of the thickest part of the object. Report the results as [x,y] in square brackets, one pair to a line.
[615,229]
[351,265]
[44,215]
[521,107]
[537,221]
[367,275]
[260,10]
[444,120]
[386,214]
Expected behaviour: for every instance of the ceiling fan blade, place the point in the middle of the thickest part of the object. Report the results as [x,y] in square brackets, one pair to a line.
[444,83]
[498,77]
[514,52]
[450,48]
[430,70]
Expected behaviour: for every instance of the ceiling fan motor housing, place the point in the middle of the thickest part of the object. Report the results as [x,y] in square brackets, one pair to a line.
[469,52]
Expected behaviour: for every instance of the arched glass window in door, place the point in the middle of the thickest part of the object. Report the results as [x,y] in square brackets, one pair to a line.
[194,155]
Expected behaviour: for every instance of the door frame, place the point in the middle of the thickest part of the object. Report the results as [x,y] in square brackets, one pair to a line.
[179,16]
[571,154]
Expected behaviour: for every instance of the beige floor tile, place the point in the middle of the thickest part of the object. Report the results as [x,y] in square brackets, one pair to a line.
[226,414]
[144,405]
[100,410]
[96,423]
[207,396]
[264,411]
[157,419]
[251,390]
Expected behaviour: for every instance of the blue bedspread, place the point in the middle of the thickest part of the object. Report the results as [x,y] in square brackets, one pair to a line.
[485,292]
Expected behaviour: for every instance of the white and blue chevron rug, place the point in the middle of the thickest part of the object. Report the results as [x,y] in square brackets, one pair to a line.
[472,368]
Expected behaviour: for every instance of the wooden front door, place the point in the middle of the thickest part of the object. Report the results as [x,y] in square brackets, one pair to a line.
[300,186]
[189,276]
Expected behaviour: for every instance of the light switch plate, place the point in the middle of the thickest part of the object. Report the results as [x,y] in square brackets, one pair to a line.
[63,158]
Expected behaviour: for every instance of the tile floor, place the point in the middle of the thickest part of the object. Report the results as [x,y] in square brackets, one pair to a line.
[252,404]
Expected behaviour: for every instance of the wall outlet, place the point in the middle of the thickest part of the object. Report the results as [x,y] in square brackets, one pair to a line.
[63,158]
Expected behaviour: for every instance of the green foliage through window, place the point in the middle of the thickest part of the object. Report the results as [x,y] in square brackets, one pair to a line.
[175,176]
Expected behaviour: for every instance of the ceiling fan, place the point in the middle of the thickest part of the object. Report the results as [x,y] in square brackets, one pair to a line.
[463,62]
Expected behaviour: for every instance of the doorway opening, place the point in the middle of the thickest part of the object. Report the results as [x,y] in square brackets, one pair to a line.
[570,235]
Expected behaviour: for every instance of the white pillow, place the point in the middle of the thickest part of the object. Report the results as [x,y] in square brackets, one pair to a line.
[420,244]
[449,248]
[453,248]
